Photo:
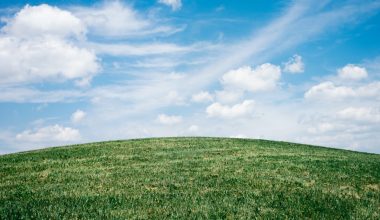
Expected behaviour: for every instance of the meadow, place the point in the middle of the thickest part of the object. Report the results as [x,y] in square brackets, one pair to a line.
[190,178]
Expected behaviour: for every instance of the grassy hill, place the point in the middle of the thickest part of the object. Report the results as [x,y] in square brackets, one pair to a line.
[197,178]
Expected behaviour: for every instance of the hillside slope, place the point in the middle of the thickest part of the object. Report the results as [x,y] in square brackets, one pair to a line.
[190,178]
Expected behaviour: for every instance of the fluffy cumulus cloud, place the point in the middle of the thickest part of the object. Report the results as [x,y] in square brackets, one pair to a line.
[349,128]
[174,4]
[328,91]
[78,116]
[370,90]
[169,119]
[261,78]
[202,97]
[294,65]
[347,113]
[45,59]
[43,20]
[352,72]
[31,52]
[53,133]
[243,109]
[360,114]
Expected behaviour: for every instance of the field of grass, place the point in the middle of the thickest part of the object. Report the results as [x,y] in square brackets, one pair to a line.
[190,178]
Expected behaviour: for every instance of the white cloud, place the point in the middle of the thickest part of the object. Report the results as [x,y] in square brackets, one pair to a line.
[78,116]
[352,72]
[169,119]
[322,127]
[139,50]
[371,90]
[281,34]
[202,97]
[224,111]
[42,20]
[363,114]
[328,90]
[54,133]
[294,65]
[44,53]
[348,127]
[174,76]
[228,96]
[174,4]
[261,78]
[48,59]
[112,18]
[193,128]
[28,95]
[173,97]
[239,136]
[115,19]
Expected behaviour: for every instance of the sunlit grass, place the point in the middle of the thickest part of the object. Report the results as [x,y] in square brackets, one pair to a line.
[197,178]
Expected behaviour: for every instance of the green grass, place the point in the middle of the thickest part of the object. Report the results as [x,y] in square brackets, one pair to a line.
[190,178]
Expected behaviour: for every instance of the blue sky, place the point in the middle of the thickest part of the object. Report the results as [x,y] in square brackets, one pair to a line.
[79,71]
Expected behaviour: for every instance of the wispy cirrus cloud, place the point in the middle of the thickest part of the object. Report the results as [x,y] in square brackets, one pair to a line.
[174,4]
[115,19]
[146,49]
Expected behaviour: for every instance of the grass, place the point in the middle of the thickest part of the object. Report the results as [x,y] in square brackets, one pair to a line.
[190,178]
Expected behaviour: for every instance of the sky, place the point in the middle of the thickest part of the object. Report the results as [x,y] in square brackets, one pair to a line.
[83,71]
